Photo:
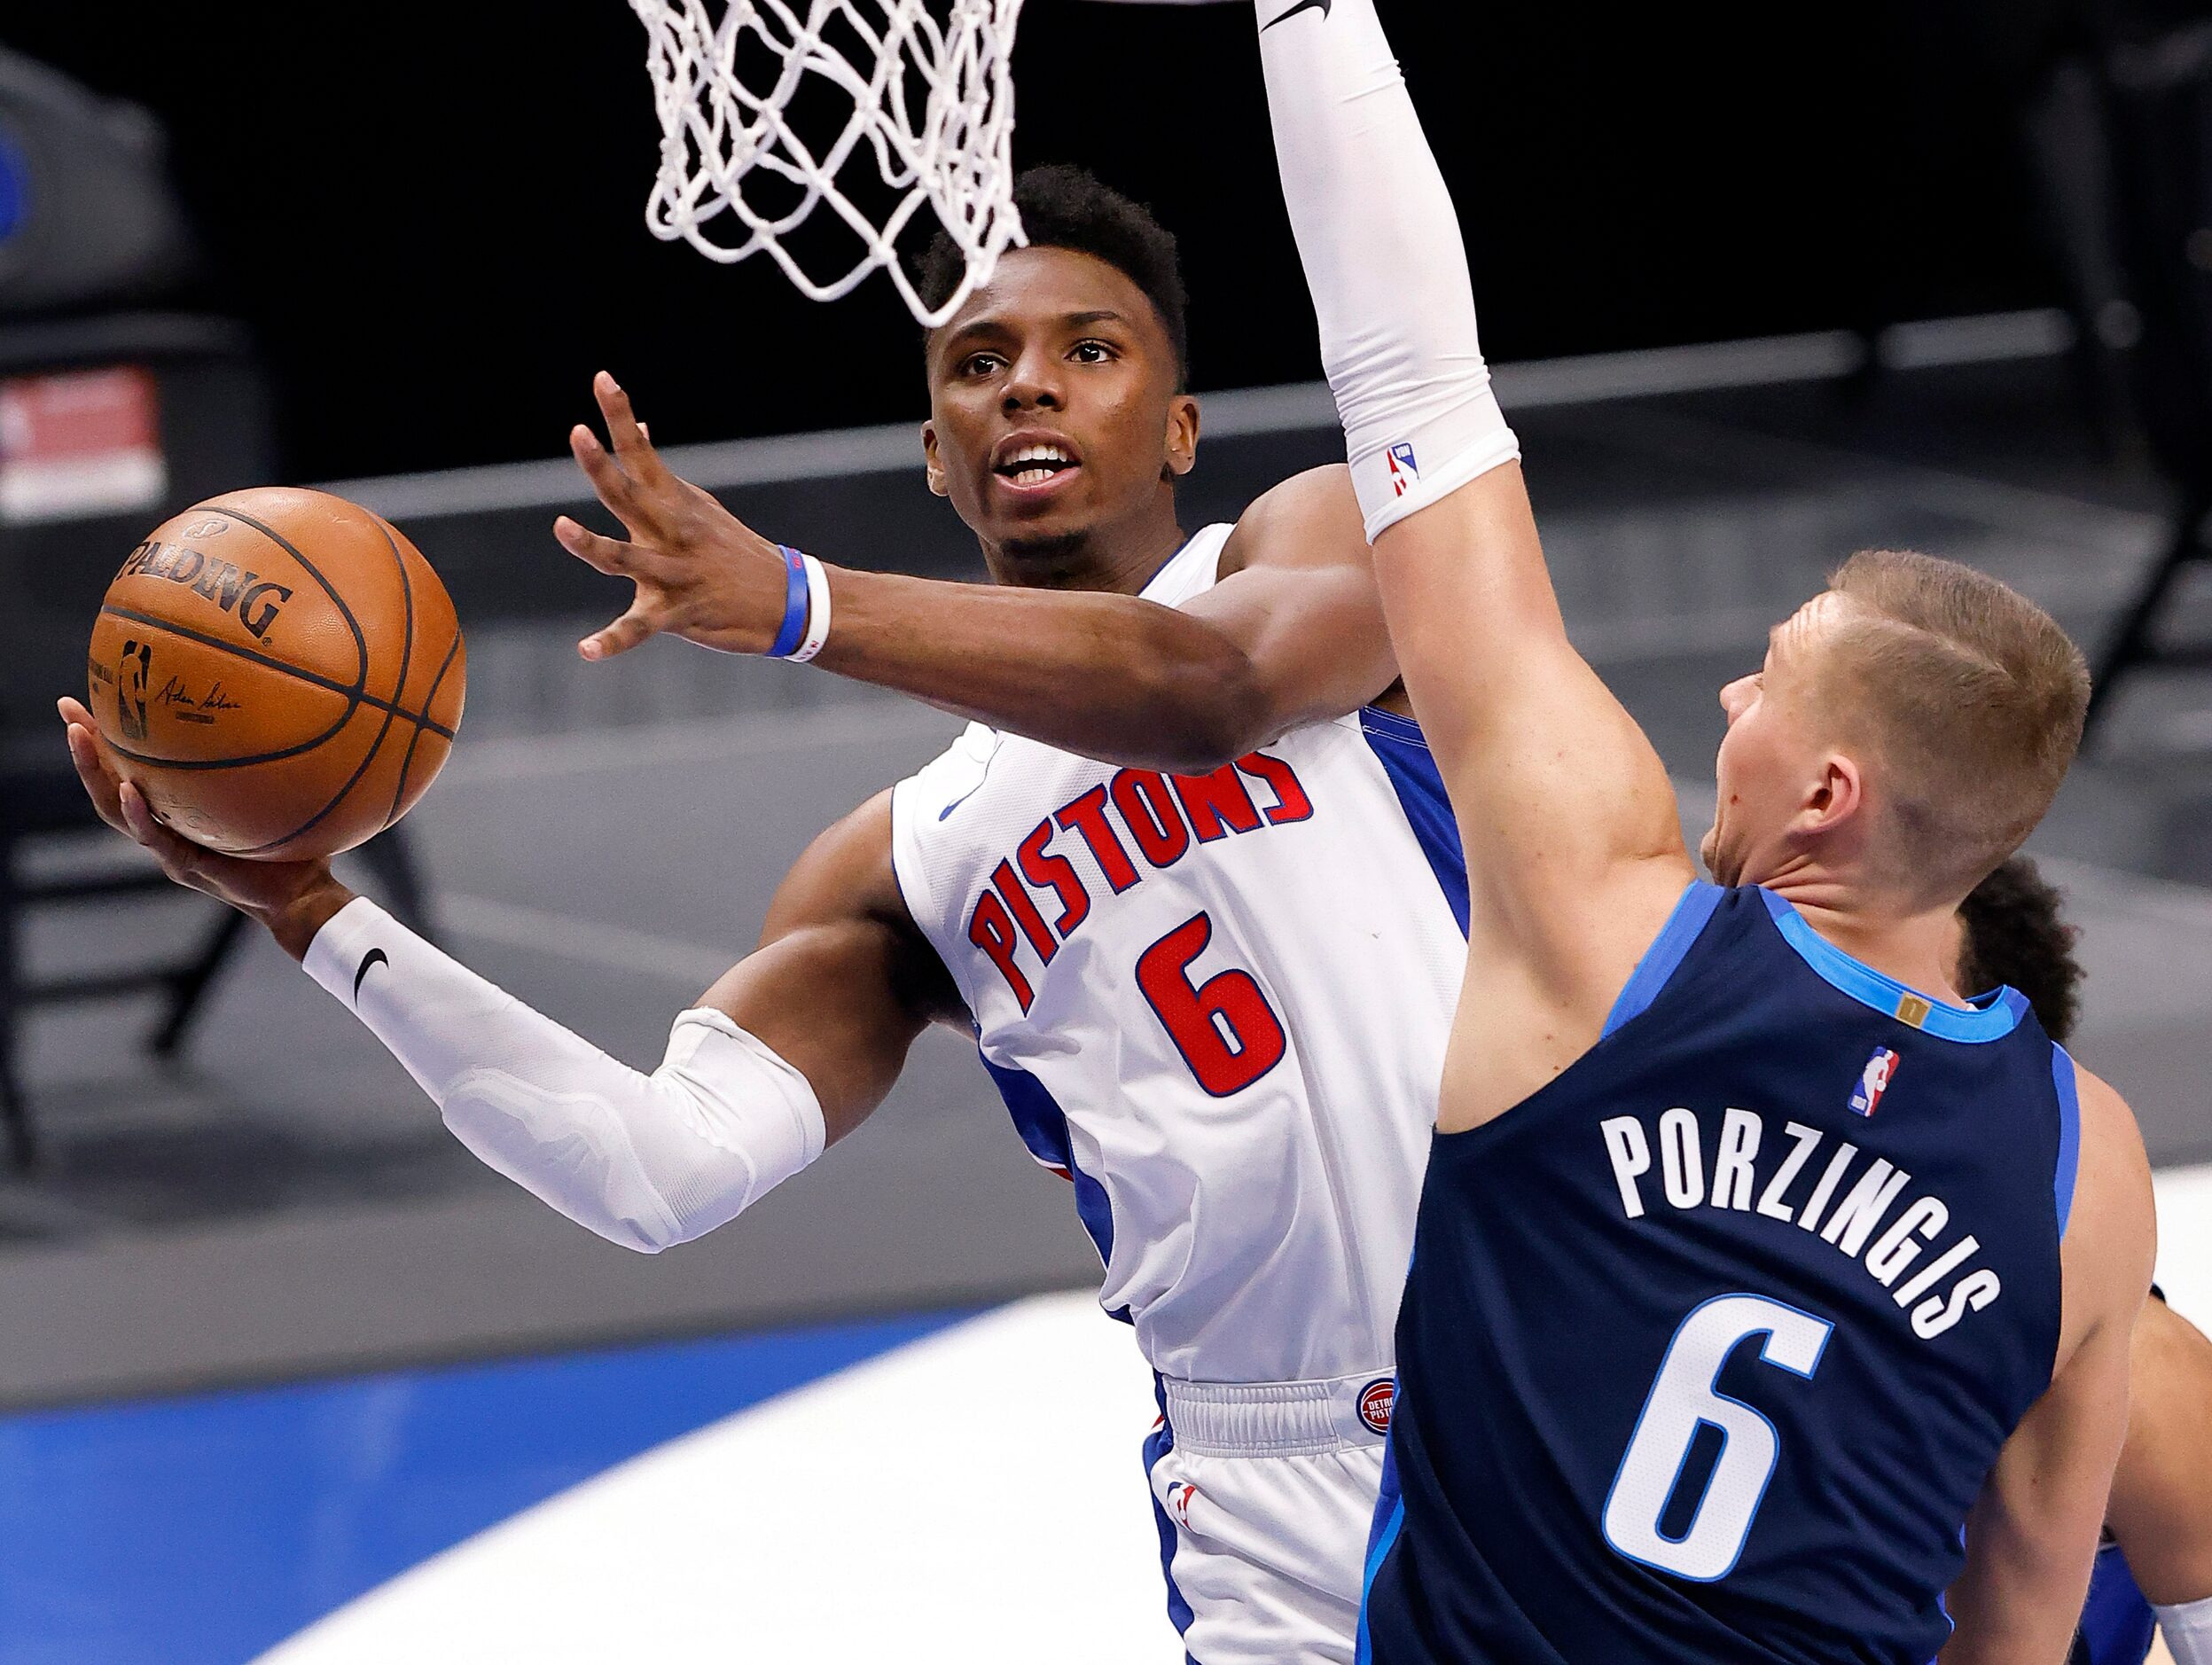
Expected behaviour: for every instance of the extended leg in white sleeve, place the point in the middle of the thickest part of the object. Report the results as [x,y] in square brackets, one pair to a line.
[647,1162]
[2187,1629]
[1381,243]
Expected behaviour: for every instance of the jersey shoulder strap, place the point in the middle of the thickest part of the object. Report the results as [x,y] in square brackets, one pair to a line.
[1192,570]
[928,797]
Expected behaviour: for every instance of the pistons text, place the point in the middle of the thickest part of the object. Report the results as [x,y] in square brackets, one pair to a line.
[1159,816]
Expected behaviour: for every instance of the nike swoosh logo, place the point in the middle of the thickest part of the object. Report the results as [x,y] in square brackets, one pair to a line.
[1322,6]
[375,956]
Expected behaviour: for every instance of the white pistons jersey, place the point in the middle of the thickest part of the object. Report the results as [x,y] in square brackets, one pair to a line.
[1218,1004]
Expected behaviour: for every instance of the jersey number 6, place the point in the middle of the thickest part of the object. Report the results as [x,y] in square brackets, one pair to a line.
[1224,1027]
[1682,1399]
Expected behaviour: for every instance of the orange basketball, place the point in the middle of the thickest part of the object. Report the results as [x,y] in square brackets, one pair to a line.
[280,673]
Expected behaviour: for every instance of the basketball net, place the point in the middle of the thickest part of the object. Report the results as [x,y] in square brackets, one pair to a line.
[929,102]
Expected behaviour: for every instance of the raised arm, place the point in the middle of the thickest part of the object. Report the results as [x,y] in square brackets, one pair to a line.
[789,1051]
[1575,853]
[1293,633]
[2033,1535]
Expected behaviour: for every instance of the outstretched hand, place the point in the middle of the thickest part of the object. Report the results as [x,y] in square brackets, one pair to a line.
[699,571]
[293,899]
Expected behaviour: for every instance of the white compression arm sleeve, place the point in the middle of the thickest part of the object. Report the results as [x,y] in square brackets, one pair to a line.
[646,1162]
[1381,243]
[2188,1631]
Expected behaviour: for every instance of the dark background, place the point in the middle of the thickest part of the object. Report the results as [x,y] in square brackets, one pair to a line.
[431,215]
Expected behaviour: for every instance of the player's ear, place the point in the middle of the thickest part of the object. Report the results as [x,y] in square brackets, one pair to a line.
[932,462]
[1181,433]
[1837,795]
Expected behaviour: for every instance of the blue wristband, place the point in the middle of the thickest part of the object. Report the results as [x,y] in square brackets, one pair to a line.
[794,626]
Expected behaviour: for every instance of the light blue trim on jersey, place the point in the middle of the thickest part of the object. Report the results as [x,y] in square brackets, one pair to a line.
[2062,1077]
[1683,926]
[1990,1019]
[1402,749]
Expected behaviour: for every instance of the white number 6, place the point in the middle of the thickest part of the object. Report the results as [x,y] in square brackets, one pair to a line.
[1682,1399]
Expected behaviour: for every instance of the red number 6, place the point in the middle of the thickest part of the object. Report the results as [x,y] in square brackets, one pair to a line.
[1225,1028]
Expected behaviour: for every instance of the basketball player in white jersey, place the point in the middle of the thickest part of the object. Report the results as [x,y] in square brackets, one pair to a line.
[1205,926]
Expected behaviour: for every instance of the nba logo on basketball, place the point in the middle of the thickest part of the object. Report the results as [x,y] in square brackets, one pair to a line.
[1375,1400]
[1405,472]
[1874,1082]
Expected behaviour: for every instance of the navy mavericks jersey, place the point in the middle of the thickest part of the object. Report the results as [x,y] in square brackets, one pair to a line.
[1708,1346]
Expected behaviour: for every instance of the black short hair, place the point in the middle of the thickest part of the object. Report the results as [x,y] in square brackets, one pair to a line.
[2016,935]
[1066,206]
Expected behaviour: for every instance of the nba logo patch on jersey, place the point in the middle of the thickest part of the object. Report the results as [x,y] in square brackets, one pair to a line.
[1375,1401]
[1874,1081]
[1405,472]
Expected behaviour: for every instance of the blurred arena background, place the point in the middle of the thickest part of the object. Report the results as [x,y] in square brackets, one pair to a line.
[1768,287]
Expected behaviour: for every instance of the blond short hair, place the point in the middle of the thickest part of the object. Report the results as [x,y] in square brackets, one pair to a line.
[1973,698]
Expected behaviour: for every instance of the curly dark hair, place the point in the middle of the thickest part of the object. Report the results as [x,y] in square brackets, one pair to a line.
[2016,934]
[1065,207]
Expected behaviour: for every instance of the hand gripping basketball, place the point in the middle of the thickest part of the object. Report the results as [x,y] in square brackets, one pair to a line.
[698,572]
[293,899]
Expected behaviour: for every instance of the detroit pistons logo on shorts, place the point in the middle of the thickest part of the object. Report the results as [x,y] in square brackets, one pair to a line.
[1375,1401]
[1874,1081]
[1405,472]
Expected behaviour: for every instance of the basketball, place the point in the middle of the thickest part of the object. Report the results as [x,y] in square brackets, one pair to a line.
[279,672]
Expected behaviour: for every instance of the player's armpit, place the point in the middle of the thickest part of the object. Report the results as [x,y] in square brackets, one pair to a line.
[2032,1538]
[842,982]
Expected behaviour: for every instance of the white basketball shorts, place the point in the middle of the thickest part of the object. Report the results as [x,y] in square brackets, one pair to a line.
[1264,1494]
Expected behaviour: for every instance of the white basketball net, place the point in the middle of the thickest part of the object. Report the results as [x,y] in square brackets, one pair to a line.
[931,102]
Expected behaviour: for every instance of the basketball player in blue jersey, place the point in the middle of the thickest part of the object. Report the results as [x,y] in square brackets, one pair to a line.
[2154,1567]
[1194,900]
[1754,1260]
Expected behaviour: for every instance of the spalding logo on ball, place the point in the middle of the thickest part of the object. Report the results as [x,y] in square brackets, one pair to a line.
[279,672]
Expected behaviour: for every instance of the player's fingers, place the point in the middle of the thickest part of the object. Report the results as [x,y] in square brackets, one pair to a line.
[624,432]
[636,626]
[84,752]
[175,854]
[614,488]
[608,555]
[640,563]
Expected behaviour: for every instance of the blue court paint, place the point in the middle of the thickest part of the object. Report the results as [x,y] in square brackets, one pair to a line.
[200,1531]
